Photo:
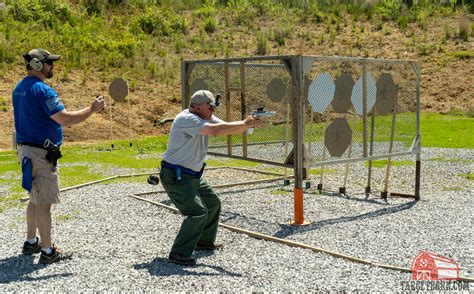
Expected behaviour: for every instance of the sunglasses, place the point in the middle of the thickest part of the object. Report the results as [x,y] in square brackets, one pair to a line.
[48,62]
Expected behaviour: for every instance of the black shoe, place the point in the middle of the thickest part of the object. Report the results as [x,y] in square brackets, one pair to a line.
[55,256]
[203,245]
[181,259]
[29,249]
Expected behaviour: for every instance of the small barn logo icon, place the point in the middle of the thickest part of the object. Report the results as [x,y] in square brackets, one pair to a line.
[429,266]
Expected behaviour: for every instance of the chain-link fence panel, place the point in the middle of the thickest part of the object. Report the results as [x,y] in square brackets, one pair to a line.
[246,85]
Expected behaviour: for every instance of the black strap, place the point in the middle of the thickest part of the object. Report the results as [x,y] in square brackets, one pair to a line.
[32,145]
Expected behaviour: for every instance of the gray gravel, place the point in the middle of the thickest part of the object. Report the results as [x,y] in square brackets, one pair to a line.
[121,244]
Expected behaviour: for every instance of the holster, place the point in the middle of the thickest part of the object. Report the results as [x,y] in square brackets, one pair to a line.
[53,155]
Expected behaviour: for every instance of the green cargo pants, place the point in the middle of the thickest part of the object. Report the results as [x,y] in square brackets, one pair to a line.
[196,200]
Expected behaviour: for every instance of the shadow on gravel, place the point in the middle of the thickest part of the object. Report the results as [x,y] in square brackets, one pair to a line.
[17,268]
[352,197]
[287,230]
[244,190]
[161,267]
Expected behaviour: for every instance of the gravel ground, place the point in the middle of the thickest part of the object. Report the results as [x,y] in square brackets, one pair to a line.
[121,244]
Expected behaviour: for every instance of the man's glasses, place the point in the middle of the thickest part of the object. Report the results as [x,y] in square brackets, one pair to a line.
[48,62]
[211,107]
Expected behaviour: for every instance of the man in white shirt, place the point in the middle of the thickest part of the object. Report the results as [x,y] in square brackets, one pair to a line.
[182,168]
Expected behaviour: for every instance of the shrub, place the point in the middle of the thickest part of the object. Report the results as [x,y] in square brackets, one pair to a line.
[422,20]
[154,22]
[93,7]
[160,22]
[279,35]
[463,27]
[179,24]
[206,11]
[388,10]
[242,11]
[3,104]
[209,24]
[47,12]
[263,7]
[261,44]
[6,54]
[463,54]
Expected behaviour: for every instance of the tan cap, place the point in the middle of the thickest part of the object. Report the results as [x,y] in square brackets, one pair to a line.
[42,55]
[203,97]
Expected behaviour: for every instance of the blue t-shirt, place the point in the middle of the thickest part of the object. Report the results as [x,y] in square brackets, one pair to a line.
[34,102]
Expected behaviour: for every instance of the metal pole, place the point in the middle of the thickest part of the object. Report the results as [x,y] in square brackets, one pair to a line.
[321,176]
[243,107]
[342,189]
[390,147]
[228,109]
[297,73]
[130,119]
[418,132]
[111,122]
[371,150]
[364,107]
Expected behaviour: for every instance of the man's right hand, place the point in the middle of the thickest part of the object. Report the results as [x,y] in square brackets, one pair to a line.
[253,121]
[98,104]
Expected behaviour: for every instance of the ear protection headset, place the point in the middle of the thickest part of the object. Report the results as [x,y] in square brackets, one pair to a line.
[34,62]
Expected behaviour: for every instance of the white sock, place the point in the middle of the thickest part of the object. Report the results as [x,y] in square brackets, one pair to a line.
[31,241]
[47,250]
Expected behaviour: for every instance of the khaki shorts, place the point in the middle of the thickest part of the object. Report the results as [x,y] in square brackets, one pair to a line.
[45,178]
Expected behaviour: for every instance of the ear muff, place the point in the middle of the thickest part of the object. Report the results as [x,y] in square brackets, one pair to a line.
[35,63]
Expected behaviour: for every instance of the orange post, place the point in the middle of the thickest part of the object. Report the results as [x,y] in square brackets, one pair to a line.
[298,202]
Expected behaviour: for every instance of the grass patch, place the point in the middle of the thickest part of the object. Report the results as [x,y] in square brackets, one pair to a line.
[280,192]
[463,54]
[66,217]
[383,163]
[452,160]
[318,171]
[452,189]
[469,176]
[447,131]
[231,162]
[75,175]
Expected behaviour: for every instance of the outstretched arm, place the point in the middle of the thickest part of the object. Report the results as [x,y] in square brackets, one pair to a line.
[231,128]
[67,118]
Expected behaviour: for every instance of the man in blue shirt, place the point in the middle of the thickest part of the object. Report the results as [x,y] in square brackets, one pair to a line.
[39,118]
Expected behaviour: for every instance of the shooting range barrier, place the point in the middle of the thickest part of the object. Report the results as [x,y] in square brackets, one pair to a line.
[329,110]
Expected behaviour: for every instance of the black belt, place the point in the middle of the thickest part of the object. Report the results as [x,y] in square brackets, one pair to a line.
[32,145]
[181,169]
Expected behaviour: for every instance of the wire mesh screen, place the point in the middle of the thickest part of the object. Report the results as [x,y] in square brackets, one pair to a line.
[353,109]
[246,85]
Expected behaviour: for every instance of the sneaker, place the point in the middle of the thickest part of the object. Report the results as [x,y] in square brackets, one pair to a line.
[204,245]
[56,255]
[29,249]
[181,259]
